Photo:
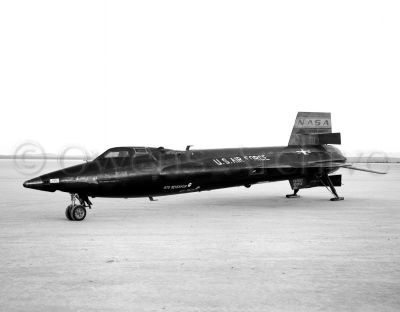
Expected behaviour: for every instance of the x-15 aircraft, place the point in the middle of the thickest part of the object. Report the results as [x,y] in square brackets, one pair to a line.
[126,172]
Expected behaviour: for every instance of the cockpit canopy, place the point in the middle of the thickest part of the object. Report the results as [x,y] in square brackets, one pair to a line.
[123,152]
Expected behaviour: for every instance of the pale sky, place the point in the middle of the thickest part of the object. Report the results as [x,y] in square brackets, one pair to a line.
[98,74]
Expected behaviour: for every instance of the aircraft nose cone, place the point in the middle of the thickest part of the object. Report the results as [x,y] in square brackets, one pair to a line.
[35,183]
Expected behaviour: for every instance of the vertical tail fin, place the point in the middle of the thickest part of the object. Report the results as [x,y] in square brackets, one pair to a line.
[312,128]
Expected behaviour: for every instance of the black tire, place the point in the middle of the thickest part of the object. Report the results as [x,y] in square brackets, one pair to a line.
[78,213]
[68,213]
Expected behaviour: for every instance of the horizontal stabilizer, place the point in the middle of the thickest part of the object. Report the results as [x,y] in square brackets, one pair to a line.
[332,164]
[329,138]
[316,139]
[363,169]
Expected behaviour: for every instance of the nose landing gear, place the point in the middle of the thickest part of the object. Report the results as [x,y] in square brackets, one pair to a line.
[77,212]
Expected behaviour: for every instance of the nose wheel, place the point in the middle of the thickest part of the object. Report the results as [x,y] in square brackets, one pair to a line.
[75,211]
[68,213]
[78,213]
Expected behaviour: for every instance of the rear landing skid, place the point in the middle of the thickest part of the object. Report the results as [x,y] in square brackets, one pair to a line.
[331,187]
[294,195]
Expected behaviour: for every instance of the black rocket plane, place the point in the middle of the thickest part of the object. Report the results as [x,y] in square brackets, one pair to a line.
[122,172]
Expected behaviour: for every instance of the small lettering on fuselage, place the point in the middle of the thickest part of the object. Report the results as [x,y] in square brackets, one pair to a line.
[177,187]
[239,159]
[297,183]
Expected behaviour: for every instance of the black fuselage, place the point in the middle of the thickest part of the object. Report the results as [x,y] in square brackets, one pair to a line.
[147,172]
